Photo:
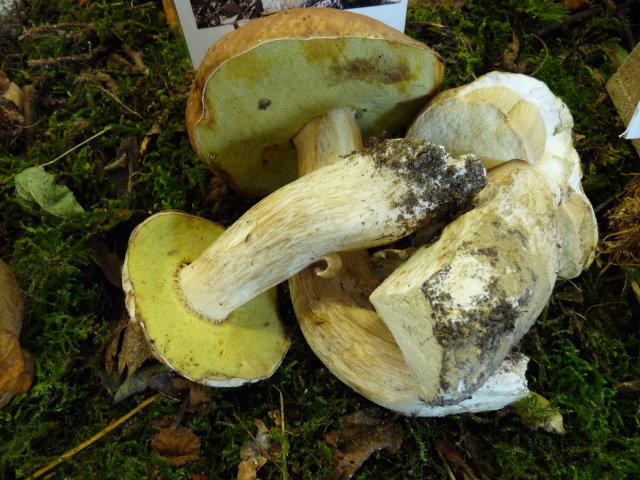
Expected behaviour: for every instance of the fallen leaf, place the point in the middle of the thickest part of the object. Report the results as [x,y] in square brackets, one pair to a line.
[142,379]
[255,453]
[134,350]
[510,56]
[16,367]
[199,397]
[458,460]
[575,4]
[108,261]
[127,348]
[124,167]
[178,445]
[363,433]
[16,364]
[37,191]
[12,108]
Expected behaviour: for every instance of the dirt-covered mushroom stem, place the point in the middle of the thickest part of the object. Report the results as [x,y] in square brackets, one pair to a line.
[369,198]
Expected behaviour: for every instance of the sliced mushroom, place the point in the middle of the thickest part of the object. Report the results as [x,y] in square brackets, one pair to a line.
[457,307]
[499,117]
[343,329]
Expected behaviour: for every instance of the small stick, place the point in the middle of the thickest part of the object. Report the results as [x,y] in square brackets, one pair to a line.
[47,62]
[571,20]
[105,130]
[119,102]
[57,29]
[96,437]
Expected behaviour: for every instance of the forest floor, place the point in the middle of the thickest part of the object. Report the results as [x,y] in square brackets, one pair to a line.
[116,73]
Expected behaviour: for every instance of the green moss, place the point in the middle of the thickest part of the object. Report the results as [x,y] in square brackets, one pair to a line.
[586,342]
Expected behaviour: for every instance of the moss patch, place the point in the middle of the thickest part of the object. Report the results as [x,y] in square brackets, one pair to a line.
[586,342]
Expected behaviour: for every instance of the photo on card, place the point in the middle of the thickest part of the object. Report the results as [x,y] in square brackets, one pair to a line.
[203,22]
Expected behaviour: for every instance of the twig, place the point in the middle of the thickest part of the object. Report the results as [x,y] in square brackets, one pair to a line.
[93,439]
[57,29]
[105,130]
[47,62]
[571,20]
[546,56]
[118,101]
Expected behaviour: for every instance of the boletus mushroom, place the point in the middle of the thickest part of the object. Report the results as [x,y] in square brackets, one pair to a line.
[259,85]
[440,338]
[255,90]
[458,307]
[342,328]
[247,347]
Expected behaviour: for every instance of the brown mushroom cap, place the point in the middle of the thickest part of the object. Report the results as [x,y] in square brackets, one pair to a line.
[259,85]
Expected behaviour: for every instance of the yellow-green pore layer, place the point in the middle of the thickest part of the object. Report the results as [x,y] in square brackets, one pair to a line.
[243,114]
[247,346]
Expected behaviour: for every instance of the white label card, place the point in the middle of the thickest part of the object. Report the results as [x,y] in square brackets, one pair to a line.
[633,130]
[203,22]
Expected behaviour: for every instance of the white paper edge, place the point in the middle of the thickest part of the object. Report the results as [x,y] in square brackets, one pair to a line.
[633,130]
[199,40]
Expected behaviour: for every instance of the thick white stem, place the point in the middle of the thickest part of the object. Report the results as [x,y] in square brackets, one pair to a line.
[369,198]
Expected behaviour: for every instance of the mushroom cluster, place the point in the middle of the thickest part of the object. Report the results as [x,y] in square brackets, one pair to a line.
[282,107]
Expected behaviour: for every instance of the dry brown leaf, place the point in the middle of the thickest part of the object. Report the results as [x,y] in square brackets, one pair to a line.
[128,346]
[199,397]
[16,364]
[178,445]
[457,460]
[255,453]
[109,263]
[363,433]
[16,367]
[575,4]
[510,56]
[134,351]
[11,303]
[12,109]
[170,13]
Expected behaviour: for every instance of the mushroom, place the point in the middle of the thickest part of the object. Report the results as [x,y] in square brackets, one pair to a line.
[492,269]
[343,329]
[457,307]
[255,90]
[248,347]
[259,85]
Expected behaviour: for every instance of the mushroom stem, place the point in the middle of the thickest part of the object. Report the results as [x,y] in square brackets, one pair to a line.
[369,198]
[325,139]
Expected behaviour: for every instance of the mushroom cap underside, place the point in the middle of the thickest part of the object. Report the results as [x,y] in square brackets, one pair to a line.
[344,331]
[247,347]
[259,85]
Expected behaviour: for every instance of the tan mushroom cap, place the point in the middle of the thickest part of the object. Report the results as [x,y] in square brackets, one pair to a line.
[247,347]
[259,85]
